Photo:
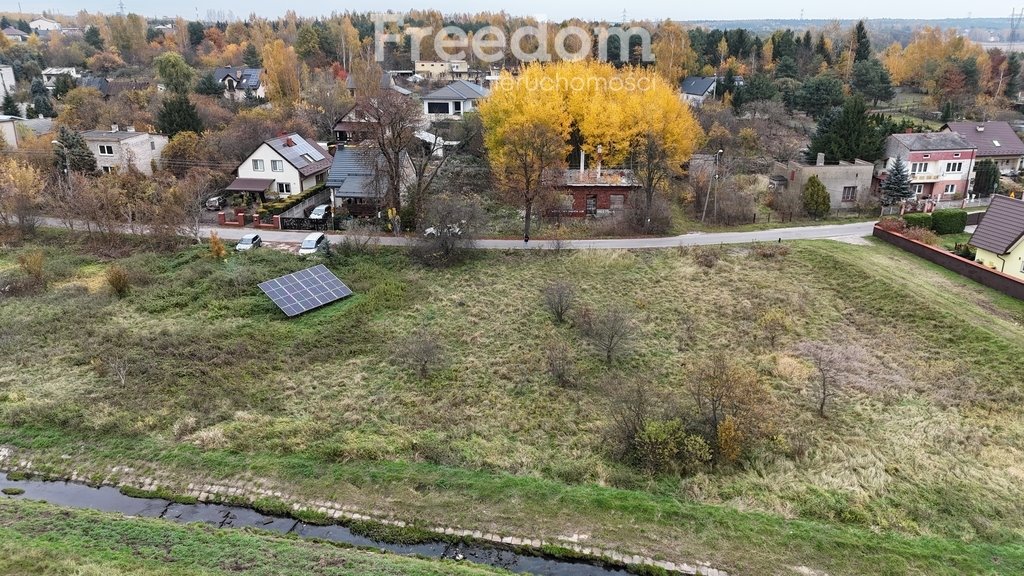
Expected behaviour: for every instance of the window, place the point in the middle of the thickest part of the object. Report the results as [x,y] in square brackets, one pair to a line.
[320,178]
[849,193]
[954,166]
[438,108]
[996,143]
[618,201]
[950,189]
[277,165]
[284,188]
[152,145]
[257,165]
[917,188]
[308,158]
[106,150]
[107,169]
[956,155]
[457,107]
[919,167]
[926,155]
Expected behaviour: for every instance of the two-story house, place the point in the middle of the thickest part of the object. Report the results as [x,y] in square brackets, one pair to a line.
[696,89]
[443,70]
[117,149]
[453,100]
[939,163]
[285,165]
[237,81]
[353,127]
[44,25]
[995,141]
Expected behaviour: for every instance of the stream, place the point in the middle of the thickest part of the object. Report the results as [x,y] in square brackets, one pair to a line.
[110,499]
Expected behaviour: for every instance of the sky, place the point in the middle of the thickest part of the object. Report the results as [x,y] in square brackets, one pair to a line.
[555,10]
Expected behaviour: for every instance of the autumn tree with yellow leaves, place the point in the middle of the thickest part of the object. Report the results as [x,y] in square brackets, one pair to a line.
[21,187]
[281,66]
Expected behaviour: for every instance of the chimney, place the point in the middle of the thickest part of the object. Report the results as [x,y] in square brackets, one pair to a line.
[821,159]
[113,127]
[289,142]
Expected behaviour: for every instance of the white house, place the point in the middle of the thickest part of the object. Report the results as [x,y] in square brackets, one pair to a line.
[117,149]
[443,70]
[15,35]
[454,99]
[7,84]
[237,80]
[287,165]
[50,75]
[9,130]
[696,89]
[44,24]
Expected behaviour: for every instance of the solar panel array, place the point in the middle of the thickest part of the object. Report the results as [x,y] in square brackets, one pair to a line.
[293,154]
[305,290]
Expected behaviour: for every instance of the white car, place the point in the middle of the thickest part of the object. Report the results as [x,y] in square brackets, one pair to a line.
[319,212]
[312,243]
[249,242]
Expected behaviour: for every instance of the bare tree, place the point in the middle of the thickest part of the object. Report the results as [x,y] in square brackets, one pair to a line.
[191,191]
[559,297]
[530,159]
[428,155]
[652,166]
[560,362]
[420,351]
[828,360]
[611,331]
[448,229]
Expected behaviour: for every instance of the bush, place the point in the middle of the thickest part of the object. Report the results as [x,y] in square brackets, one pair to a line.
[611,331]
[33,265]
[816,200]
[119,280]
[893,224]
[707,256]
[923,235]
[560,363]
[559,297]
[217,249]
[950,221]
[918,220]
[770,250]
[660,218]
[420,352]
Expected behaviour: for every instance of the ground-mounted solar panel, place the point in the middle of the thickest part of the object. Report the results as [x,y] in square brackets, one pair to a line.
[305,290]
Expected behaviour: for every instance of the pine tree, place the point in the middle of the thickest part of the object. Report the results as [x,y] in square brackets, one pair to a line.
[92,37]
[43,107]
[863,44]
[178,114]
[79,157]
[897,183]
[816,200]
[947,112]
[848,134]
[986,177]
[251,56]
[871,79]
[209,86]
[10,107]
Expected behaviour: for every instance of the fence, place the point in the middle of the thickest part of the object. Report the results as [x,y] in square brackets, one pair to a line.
[318,224]
[928,205]
[300,209]
[996,280]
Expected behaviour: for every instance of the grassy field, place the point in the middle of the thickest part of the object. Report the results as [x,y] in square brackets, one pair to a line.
[43,540]
[917,467]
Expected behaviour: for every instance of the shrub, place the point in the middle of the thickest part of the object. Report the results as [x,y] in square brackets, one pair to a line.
[119,280]
[950,221]
[918,220]
[923,235]
[707,256]
[774,323]
[33,265]
[770,250]
[893,224]
[560,363]
[559,297]
[610,330]
[658,444]
[816,200]
[420,351]
[659,221]
[730,440]
[217,249]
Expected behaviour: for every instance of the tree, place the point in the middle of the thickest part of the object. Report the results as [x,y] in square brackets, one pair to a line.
[448,228]
[182,152]
[307,44]
[83,109]
[394,120]
[819,94]
[758,88]
[610,330]
[420,351]
[178,114]
[282,69]
[251,56]
[847,134]
[105,62]
[817,202]
[559,297]
[92,37]
[41,103]
[674,59]
[871,79]
[862,46]
[830,362]
[986,178]
[10,107]
[175,73]
[196,31]
[896,186]
[208,86]
[63,84]
[73,146]
[20,193]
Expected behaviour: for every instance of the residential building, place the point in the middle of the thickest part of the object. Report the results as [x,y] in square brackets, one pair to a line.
[995,141]
[15,35]
[7,82]
[45,25]
[237,81]
[352,182]
[110,88]
[50,75]
[443,70]
[999,237]
[287,165]
[353,127]
[696,89]
[847,182]
[453,100]
[117,149]
[387,81]
[594,192]
[939,163]
[9,130]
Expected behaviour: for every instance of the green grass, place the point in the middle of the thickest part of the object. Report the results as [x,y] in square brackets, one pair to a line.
[37,538]
[912,471]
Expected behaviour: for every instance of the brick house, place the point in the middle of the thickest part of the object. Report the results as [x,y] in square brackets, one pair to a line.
[586,194]
[847,182]
[939,163]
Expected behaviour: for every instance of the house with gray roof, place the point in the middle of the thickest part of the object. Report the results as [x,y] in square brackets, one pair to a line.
[696,89]
[15,35]
[995,141]
[237,81]
[352,180]
[999,237]
[939,163]
[118,149]
[286,165]
[453,100]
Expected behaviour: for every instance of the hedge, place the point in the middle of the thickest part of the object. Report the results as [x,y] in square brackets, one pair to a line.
[918,220]
[950,221]
[279,206]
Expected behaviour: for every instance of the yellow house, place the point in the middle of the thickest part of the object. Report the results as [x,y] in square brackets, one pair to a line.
[999,238]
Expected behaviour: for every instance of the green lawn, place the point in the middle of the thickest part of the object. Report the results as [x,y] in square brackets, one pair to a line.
[39,539]
[195,373]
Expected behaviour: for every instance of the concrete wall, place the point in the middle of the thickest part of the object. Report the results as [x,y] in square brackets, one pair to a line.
[9,131]
[835,177]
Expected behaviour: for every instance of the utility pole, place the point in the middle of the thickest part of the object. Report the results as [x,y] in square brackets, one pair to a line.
[707,196]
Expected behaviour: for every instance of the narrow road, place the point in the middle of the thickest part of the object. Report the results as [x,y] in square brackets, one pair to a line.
[831,231]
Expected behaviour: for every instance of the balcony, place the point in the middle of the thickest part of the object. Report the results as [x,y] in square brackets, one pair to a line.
[923,177]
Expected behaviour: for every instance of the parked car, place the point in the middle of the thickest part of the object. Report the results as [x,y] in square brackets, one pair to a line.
[312,243]
[216,203]
[249,242]
[320,212]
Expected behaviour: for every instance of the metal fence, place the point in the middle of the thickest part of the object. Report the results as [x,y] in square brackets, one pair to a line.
[317,224]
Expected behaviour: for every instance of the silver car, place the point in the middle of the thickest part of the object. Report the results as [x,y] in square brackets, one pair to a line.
[320,212]
[249,242]
[312,243]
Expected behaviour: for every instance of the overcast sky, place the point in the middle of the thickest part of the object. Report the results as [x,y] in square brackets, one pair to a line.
[557,10]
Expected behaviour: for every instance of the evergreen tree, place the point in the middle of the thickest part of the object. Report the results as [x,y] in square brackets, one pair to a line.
[896,186]
[819,94]
[43,107]
[63,84]
[178,114]
[93,38]
[863,45]
[822,50]
[816,200]
[947,112]
[4,22]
[209,86]
[1012,76]
[251,57]
[80,158]
[10,107]
[871,79]
[23,26]
[196,32]
[986,177]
